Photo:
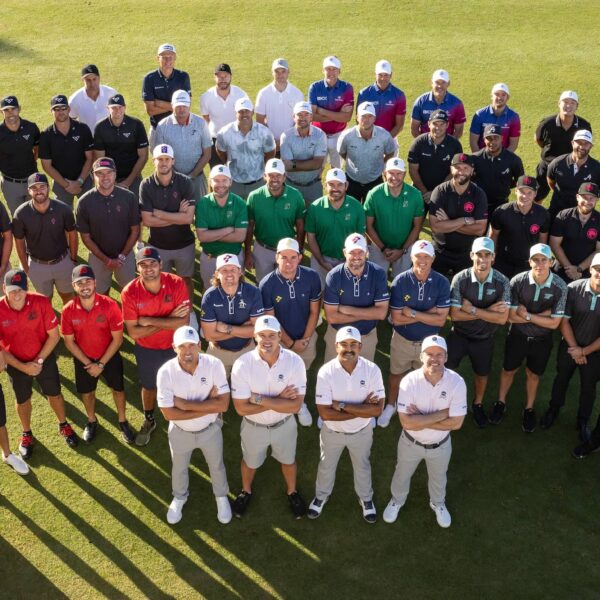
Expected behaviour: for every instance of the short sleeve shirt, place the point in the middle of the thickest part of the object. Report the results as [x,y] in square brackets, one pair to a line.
[158,87]
[583,311]
[555,138]
[433,159]
[16,149]
[220,111]
[389,103]
[496,175]
[426,104]
[278,107]
[89,111]
[296,147]
[568,177]
[330,98]
[578,240]
[508,121]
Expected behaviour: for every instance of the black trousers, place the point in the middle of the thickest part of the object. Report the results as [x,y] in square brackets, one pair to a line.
[360,190]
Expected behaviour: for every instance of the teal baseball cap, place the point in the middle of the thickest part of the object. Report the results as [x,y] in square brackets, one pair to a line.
[542,249]
[483,243]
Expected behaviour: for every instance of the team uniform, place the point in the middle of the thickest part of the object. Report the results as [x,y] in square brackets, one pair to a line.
[508,121]
[88,111]
[426,104]
[389,103]
[278,107]
[158,87]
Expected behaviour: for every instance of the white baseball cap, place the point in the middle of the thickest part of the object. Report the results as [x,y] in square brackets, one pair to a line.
[542,249]
[243,104]
[275,165]
[166,48]
[266,323]
[220,170]
[185,335]
[395,164]
[500,87]
[332,61]
[355,241]
[583,134]
[383,66]
[302,107]
[180,98]
[596,260]
[569,95]
[441,74]
[163,150]
[335,175]
[422,247]
[366,108]
[288,244]
[280,63]
[434,341]
[347,333]
[225,260]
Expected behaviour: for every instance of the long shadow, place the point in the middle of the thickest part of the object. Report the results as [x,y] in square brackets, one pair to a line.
[7,47]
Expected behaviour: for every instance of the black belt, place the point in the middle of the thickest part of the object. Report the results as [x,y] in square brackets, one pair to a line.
[48,262]
[273,426]
[267,247]
[304,184]
[249,182]
[13,180]
[410,438]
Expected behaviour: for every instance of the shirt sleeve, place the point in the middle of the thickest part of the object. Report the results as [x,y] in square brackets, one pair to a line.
[436,200]
[309,223]
[368,205]
[558,226]
[443,299]
[300,206]
[81,218]
[180,292]
[552,168]
[312,94]
[260,108]
[69,219]
[458,114]
[250,205]
[496,219]
[206,140]
[323,390]
[405,395]
[204,103]
[381,292]
[66,323]
[44,147]
[207,312]
[115,317]
[396,296]
[545,226]
[416,110]
[134,211]
[321,144]
[341,143]
[200,221]
[146,196]
[265,290]
[361,219]
[88,140]
[221,143]
[476,124]
[240,384]
[331,292]
[458,399]
[315,287]
[413,154]
[241,216]
[141,135]
[164,390]
[455,292]
[376,382]
[285,150]
[49,316]
[481,206]
[188,188]
[571,293]
[268,139]
[299,373]
[515,288]
[390,145]
[560,299]
[147,88]
[99,143]
[220,377]
[187,83]
[515,126]
[130,312]
[400,104]
[257,308]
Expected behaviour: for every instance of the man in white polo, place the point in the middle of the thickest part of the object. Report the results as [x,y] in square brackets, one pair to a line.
[192,392]
[349,394]
[268,386]
[432,402]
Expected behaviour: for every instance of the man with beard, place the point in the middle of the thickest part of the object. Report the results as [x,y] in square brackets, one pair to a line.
[92,327]
[432,402]
[67,153]
[568,172]
[458,215]
[46,240]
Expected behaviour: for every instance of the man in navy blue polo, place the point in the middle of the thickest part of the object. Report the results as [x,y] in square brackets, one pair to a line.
[356,293]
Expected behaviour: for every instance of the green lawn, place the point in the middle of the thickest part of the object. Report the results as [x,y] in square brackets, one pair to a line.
[91,523]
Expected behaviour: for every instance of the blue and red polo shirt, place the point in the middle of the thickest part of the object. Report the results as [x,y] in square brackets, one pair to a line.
[388,103]
[330,98]
[424,105]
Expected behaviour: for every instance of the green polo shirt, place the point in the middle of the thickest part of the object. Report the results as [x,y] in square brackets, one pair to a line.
[209,215]
[275,217]
[331,227]
[394,216]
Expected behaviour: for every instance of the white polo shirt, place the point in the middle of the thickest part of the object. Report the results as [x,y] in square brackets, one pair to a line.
[278,107]
[335,383]
[173,381]
[89,111]
[252,375]
[450,392]
[220,111]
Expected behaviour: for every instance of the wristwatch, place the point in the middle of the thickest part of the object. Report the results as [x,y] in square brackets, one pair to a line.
[341,406]
[473,310]
[100,364]
[528,317]
[122,257]
[413,313]
[80,180]
[257,399]
[229,329]
[40,361]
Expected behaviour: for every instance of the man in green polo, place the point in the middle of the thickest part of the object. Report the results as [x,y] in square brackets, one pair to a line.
[221,223]
[395,217]
[329,221]
[275,211]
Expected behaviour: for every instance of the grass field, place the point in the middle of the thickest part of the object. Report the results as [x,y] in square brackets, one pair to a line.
[91,523]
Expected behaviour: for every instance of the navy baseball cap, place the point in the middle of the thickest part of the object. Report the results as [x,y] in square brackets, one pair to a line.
[147,253]
[14,280]
[527,181]
[589,189]
[492,130]
[106,162]
[438,115]
[223,67]
[90,70]
[82,272]
[462,158]
[37,178]
[116,100]
[9,102]
[59,100]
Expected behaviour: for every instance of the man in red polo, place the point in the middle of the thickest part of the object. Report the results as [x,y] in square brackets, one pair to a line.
[28,336]
[92,327]
[154,305]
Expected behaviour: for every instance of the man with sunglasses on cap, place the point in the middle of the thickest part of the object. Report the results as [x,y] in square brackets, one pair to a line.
[432,402]
[192,393]
[154,305]
[92,327]
[28,335]
[349,394]
[67,152]
[268,386]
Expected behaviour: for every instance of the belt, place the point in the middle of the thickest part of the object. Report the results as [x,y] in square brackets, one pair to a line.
[13,180]
[534,338]
[273,426]
[249,182]
[48,262]
[347,432]
[267,247]
[209,254]
[199,430]
[304,184]
[410,438]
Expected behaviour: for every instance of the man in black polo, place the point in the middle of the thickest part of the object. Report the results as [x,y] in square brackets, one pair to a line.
[46,240]
[574,235]
[578,349]
[430,155]
[108,219]
[122,138]
[554,135]
[537,306]
[516,226]
[567,172]
[66,152]
[19,140]
[496,168]
[479,301]
[458,215]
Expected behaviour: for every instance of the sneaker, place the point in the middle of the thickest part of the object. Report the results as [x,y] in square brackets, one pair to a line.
[479,415]
[70,436]
[529,420]
[127,433]
[315,508]
[585,449]
[143,436]
[223,509]
[89,433]
[297,505]
[17,463]
[304,416]
[390,514]
[441,514]
[240,504]
[386,416]
[549,417]
[497,413]
[174,513]
[368,510]
[582,429]
[26,445]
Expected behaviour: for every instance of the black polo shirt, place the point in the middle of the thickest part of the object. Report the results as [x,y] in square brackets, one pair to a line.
[16,149]
[496,175]
[518,232]
[67,152]
[121,143]
[465,286]
[44,232]
[552,295]
[556,139]
[578,240]
[433,160]
[562,171]
[108,219]
[472,203]
[153,195]
[158,87]
[583,311]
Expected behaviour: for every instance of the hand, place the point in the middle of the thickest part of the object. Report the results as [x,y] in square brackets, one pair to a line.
[113,264]
[32,368]
[441,215]
[223,327]
[70,187]
[289,391]
[499,307]
[393,255]
[326,265]
[427,197]
[347,108]
[372,398]
[575,352]
[184,205]
[413,410]
[299,346]
[521,311]
[571,272]
[407,312]
[94,369]
[582,360]
[183,310]
[214,393]
[124,184]
[466,306]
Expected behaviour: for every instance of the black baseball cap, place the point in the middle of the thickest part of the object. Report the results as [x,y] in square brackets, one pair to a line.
[462,158]
[90,70]
[82,272]
[438,115]
[15,279]
[223,67]
[147,253]
[9,102]
[492,130]
[116,100]
[37,178]
[59,100]
[589,189]
[106,162]
[528,181]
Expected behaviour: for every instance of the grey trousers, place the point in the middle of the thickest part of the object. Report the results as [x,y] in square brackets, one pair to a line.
[359,447]
[309,192]
[409,457]
[104,275]
[243,189]
[208,266]
[264,261]
[14,193]
[320,270]
[402,264]
[64,196]
[183,443]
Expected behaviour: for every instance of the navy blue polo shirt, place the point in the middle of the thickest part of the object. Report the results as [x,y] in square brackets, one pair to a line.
[583,311]
[407,290]
[158,87]
[290,299]
[578,240]
[218,306]
[342,287]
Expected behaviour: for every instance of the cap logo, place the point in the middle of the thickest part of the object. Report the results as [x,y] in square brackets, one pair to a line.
[527,180]
[356,238]
[589,187]
[227,257]
[164,148]
[220,169]
[147,252]
[16,277]
[8,100]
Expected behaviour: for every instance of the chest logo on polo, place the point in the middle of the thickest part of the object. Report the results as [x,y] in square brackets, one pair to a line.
[406,297]
[447,157]
[548,295]
[101,319]
[362,383]
[118,208]
[242,304]
[168,298]
[32,316]
[278,299]
[443,394]
[7,323]
[203,380]
[341,292]
[26,136]
[287,206]
[591,233]
[174,195]
[468,207]
[534,229]
[126,135]
[53,221]
[347,217]
[490,292]
[229,214]
[280,377]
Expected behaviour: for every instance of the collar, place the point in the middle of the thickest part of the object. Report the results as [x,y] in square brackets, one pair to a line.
[574,125]
[432,98]
[71,127]
[358,134]
[488,279]
[546,283]
[280,197]
[331,87]
[159,184]
[588,288]
[284,279]
[173,120]
[364,274]
[123,122]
